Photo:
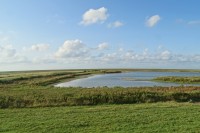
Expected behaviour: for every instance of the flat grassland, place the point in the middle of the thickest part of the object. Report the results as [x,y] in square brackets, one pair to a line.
[30,103]
[144,118]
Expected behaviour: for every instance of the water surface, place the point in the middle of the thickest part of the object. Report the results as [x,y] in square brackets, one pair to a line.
[131,79]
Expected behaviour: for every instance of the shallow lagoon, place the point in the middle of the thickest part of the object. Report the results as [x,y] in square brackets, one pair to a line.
[130,79]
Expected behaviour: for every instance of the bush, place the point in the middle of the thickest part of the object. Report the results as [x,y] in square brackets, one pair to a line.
[181,97]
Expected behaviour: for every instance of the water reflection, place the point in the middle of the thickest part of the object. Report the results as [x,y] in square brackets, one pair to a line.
[131,79]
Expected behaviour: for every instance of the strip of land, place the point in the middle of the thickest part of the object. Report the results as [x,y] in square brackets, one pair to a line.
[181,80]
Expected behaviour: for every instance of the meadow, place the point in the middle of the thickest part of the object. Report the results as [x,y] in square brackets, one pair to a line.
[126,118]
[29,102]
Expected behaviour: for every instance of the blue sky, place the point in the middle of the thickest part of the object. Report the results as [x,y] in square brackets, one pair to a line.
[62,34]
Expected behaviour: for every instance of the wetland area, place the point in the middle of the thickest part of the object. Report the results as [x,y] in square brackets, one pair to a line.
[129,79]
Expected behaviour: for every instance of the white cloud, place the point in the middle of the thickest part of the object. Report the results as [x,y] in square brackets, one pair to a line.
[165,55]
[115,24]
[7,51]
[9,55]
[196,58]
[110,57]
[40,47]
[153,20]
[93,16]
[130,57]
[76,53]
[72,49]
[102,46]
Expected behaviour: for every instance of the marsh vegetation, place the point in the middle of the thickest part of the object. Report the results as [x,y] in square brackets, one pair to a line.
[176,79]
[35,89]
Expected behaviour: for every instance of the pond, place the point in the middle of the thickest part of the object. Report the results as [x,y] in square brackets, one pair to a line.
[130,79]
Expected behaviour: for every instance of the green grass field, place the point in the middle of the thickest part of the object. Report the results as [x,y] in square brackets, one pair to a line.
[143,118]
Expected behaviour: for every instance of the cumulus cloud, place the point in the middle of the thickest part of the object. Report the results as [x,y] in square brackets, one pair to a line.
[102,46]
[153,20]
[8,54]
[40,47]
[72,49]
[75,53]
[131,57]
[110,57]
[115,24]
[93,16]
[165,55]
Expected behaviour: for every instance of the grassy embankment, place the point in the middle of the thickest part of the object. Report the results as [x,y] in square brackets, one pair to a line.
[181,80]
[34,89]
[144,118]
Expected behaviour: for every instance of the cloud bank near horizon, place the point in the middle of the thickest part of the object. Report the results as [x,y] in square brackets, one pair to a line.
[77,52]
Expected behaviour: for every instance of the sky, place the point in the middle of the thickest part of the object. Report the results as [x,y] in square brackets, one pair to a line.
[80,34]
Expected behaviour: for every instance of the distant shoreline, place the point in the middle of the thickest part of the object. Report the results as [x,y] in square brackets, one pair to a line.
[115,69]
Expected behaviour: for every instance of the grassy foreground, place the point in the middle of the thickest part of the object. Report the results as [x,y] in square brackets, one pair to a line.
[144,118]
